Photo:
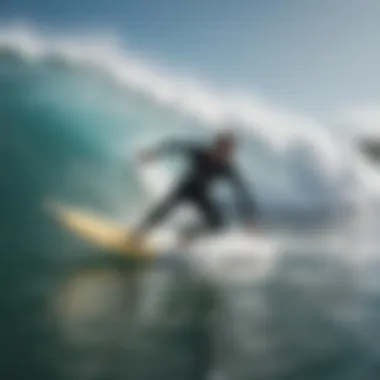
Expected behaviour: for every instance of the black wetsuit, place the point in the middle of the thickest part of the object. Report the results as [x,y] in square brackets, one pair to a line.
[195,188]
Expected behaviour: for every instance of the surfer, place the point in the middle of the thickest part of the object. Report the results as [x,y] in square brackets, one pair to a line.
[207,164]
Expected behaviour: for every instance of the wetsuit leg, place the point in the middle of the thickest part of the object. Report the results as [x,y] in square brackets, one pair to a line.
[210,211]
[160,211]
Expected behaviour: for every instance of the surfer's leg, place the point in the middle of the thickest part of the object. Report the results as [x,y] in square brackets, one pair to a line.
[212,217]
[158,213]
[211,213]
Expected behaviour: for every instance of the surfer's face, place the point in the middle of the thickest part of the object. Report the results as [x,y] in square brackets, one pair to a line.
[224,148]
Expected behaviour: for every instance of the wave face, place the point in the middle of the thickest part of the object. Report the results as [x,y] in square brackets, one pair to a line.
[91,105]
[72,114]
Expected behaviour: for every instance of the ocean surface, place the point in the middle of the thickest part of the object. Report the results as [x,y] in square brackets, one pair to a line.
[303,303]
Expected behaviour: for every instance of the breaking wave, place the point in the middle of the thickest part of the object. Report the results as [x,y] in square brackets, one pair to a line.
[72,113]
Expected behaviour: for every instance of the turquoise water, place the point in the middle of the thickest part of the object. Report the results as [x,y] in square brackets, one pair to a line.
[69,131]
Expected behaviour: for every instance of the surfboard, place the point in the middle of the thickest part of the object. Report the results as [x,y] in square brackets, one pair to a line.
[100,231]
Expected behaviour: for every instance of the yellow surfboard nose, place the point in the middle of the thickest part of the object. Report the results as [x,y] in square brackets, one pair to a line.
[105,233]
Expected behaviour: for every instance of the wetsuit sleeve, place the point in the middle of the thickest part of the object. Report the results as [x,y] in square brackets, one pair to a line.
[177,147]
[246,206]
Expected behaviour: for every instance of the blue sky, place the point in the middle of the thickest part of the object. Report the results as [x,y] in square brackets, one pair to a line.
[315,57]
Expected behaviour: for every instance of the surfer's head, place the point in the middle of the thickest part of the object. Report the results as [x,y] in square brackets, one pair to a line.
[224,145]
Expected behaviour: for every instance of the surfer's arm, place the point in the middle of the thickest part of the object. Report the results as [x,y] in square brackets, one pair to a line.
[168,148]
[246,206]
[177,147]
